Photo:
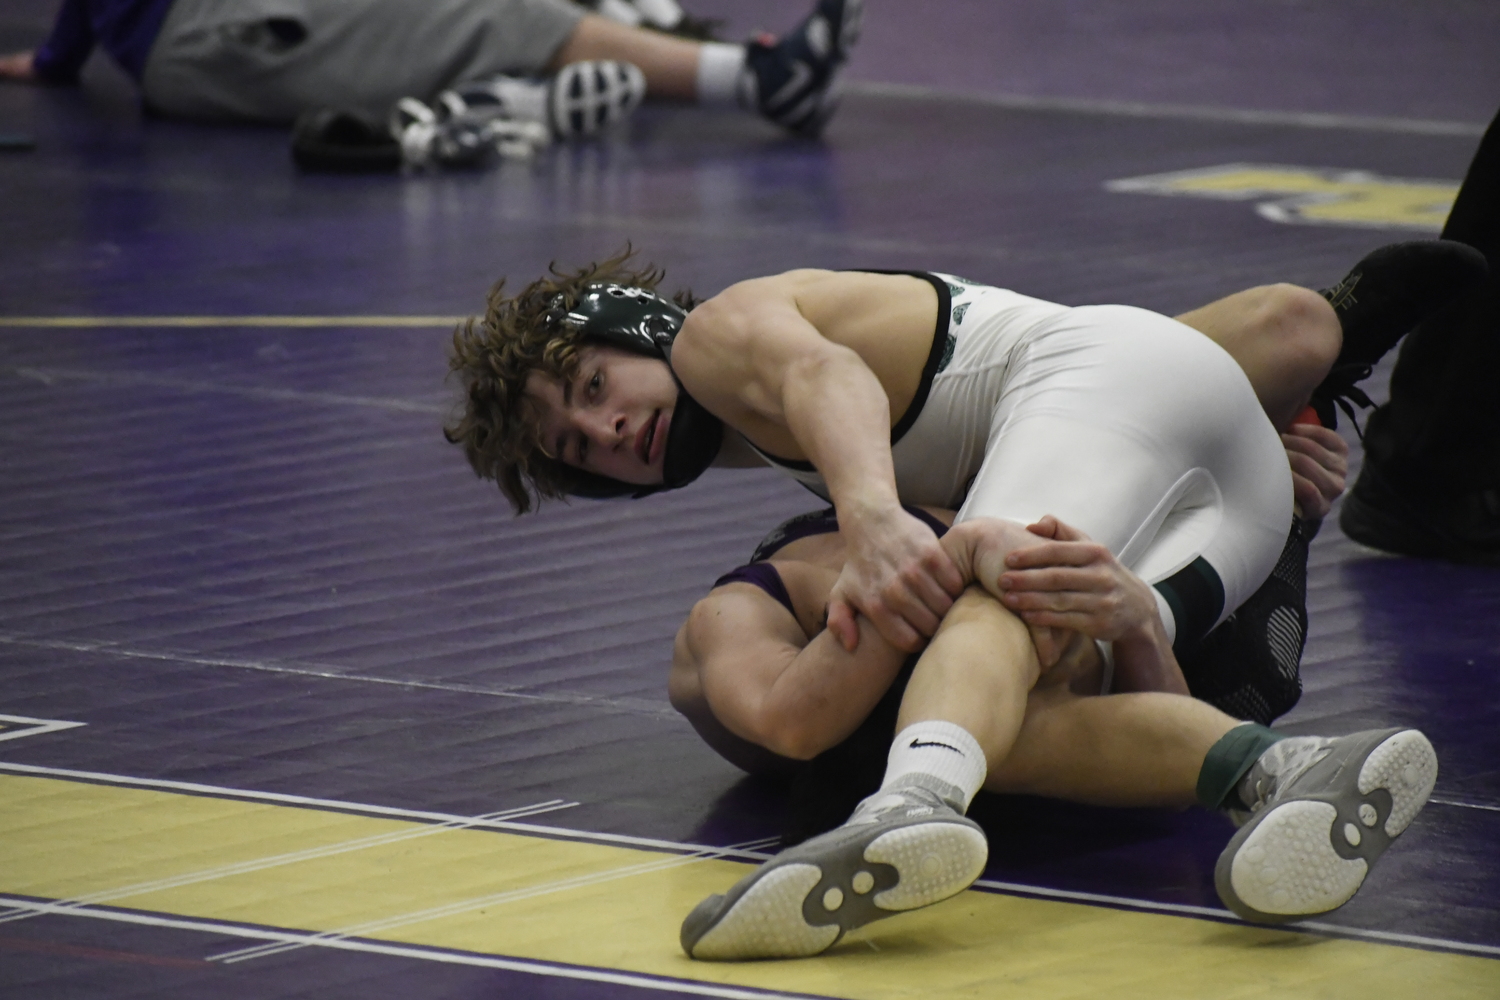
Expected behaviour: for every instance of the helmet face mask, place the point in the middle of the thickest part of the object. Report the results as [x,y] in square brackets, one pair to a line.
[643,322]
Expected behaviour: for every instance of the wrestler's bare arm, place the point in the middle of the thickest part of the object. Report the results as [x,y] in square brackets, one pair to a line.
[743,659]
[752,357]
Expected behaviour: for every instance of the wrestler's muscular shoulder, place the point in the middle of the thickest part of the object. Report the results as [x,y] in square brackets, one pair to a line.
[736,347]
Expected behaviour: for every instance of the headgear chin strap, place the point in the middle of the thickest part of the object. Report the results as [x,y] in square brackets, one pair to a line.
[643,322]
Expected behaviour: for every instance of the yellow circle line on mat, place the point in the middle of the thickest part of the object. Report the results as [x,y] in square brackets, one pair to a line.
[228,321]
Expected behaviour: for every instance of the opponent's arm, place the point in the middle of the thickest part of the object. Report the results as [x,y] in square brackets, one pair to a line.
[751,357]
[743,668]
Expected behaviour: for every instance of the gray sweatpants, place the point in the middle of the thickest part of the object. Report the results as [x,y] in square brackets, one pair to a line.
[244,60]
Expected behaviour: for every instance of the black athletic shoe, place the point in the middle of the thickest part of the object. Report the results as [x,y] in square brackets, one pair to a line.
[1382,298]
[1459,527]
[793,79]
[330,140]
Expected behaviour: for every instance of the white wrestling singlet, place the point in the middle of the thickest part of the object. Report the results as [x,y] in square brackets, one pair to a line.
[1126,424]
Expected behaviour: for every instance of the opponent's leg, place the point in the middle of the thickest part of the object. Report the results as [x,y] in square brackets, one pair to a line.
[1316,812]
[670,64]
[1144,749]
[1283,336]
[908,845]
[1297,345]
[1387,293]
[788,80]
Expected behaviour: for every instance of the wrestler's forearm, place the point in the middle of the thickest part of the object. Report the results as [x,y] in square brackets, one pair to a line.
[760,683]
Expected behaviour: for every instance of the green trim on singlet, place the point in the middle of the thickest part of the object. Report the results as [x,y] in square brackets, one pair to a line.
[1195,594]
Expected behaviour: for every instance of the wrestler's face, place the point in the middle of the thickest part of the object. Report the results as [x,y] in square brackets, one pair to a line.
[612,417]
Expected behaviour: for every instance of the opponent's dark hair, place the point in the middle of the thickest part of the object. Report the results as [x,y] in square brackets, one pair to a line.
[499,427]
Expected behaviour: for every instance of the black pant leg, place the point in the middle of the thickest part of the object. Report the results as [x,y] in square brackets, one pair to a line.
[1442,425]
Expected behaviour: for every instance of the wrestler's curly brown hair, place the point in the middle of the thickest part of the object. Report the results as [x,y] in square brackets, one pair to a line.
[491,358]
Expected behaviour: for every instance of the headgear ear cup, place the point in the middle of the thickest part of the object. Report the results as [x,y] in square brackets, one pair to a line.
[643,322]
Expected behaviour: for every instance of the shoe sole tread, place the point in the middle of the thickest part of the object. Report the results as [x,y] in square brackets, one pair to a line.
[801,905]
[1311,852]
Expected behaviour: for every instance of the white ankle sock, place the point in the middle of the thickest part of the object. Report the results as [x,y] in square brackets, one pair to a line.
[720,68]
[938,750]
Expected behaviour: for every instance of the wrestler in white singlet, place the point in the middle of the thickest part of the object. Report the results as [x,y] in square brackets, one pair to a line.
[1126,424]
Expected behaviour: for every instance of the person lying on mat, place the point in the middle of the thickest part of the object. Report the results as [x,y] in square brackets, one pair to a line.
[271,60]
[764,683]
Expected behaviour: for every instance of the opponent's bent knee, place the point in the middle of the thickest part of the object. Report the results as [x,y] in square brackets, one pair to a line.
[1304,324]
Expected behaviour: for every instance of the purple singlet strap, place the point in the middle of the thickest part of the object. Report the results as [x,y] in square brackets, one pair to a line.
[762,575]
[823,522]
[816,522]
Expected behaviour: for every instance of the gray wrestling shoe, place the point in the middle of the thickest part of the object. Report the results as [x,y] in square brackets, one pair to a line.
[902,849]
[1323,811]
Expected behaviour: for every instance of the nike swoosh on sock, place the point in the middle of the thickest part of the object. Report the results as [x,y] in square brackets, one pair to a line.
[933,743]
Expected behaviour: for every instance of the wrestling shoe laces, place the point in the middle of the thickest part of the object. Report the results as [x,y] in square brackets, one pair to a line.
[793,81]
[1323,811]
[1281,764]
[1384,296]
[909,800]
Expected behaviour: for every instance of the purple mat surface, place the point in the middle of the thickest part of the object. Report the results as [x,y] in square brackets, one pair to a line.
[245,556]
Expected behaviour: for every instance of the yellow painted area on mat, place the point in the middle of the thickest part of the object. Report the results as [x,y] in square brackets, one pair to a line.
[620,908]
[1308,195]
[50,322]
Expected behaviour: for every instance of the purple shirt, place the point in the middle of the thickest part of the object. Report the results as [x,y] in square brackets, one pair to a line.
[126,29]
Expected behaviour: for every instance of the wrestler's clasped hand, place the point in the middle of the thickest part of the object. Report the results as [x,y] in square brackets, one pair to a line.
[1072,582]
[897,575]
[1320,463]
